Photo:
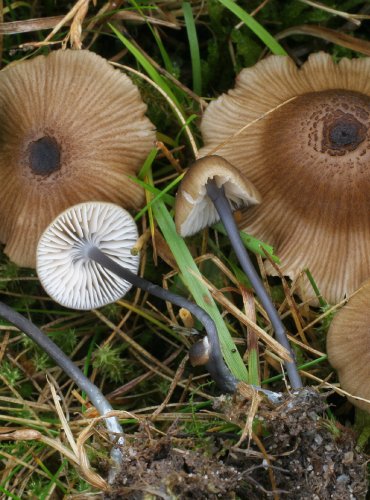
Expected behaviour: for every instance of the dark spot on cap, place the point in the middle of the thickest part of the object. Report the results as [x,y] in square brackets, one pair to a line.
[343,132]
[44,156]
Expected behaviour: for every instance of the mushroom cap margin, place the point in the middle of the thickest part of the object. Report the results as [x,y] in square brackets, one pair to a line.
[348,346]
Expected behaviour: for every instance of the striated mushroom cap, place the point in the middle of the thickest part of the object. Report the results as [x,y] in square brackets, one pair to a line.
[66,272]
[310,160]
[194,209]
[72,129]
[348,346]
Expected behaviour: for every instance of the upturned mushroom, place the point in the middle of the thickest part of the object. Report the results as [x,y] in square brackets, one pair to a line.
[84,261]
[302,137]
[209,191]
[195,209]
[72,128]
[348,346]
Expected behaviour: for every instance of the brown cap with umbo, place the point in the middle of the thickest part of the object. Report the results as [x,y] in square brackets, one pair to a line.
[72,129]
[307,152]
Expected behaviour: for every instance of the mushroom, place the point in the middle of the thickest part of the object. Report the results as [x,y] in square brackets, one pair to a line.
[209,191]
[302,137]
[84,261]
[348,346]
[74,373]
[72,128]
[194,208]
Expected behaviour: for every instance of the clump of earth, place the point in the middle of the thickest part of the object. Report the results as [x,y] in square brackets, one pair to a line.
[304,456]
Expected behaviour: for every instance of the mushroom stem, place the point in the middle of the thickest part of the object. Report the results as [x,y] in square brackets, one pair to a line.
[217,195]
[215,365]
[74,373]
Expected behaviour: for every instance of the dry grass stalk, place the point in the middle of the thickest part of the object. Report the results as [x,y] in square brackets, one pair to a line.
[332,36]
[255,398]
[77,448]
[176,379]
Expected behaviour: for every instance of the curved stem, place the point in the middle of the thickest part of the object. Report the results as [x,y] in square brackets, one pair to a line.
[74,373]
[215,365]
[222,206]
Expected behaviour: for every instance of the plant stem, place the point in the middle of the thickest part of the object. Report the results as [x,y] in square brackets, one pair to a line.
[216,365]
[221,203]
[70,369]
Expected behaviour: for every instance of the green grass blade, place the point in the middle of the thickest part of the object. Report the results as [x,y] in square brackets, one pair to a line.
[9,494]
[149,68]
[166,59]
[300,367]
[255,26]
[253,244]
[53,477]
[159,196]
[170,200]
[189,120]
[194,47]
[202,296]
[253,367]
[323,304]
[147,163]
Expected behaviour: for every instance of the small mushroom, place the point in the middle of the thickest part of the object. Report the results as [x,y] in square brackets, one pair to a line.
[194,208]
[209,191]
[348,346]
[72,128]
[74,373]
[84,261]
[199,352]
[302,137]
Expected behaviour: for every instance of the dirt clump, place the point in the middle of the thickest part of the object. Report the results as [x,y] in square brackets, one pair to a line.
[315,459]
[295,452]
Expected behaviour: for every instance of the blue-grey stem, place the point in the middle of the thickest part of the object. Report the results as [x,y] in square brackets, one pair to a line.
[217,195]
[74,373]
[215,365]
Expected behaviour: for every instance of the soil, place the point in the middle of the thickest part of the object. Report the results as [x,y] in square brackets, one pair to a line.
[304,456]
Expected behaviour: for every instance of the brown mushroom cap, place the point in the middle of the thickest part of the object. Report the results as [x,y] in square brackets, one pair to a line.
[310,160]
[194,209]
[72,129]
[348,346]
